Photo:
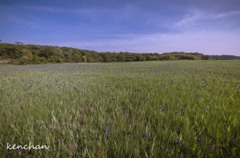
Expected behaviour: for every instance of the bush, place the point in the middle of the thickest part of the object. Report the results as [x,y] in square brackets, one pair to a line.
[39,60]
[55,59]
[25,60]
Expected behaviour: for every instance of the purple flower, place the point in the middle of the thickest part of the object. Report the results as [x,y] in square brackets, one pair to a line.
[130,134]
[164,110]
[107,123]
[107,130]
[199,139]
[144,135]
[179,141]
[18,151]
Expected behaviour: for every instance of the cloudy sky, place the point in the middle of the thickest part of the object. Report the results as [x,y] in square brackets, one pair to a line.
[206,26]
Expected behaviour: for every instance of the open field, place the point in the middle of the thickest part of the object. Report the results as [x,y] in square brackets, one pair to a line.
[139,109]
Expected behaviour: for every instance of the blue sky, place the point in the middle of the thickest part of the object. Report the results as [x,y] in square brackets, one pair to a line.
[206,26]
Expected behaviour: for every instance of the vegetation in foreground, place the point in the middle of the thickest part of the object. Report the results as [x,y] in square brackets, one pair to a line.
[143,109]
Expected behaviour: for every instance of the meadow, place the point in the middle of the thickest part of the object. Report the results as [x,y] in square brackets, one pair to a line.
[134,109]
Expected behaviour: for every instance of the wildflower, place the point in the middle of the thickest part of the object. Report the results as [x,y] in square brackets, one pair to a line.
[164,110]
[144,135]
[107,123]
[107,130]
[179,141]
[199,139]
[130,134]
[18,151]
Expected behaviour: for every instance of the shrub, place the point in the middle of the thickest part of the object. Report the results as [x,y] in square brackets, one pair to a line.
[39,60]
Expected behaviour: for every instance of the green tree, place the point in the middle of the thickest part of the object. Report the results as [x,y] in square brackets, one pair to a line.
[19,43]
[84,59]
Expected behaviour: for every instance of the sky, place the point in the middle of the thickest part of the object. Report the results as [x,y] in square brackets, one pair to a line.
[141,26]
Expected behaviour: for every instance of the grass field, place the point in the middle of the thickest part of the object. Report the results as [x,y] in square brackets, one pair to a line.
[138,109]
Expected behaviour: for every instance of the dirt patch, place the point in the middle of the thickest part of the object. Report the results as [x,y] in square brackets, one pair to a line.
[4,61]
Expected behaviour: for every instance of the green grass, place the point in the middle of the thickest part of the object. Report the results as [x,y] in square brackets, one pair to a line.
[140,109]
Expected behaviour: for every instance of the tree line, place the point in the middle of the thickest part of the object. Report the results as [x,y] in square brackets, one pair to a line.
[37,54]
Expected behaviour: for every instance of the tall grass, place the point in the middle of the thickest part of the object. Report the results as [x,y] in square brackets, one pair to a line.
[142,109]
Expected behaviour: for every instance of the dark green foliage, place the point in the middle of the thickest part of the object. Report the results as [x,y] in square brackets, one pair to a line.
[39,60]
[223,57]
[36,54]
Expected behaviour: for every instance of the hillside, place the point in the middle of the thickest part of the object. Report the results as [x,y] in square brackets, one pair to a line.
[36,54]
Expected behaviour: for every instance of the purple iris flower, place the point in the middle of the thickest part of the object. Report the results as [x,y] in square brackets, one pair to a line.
[18,151]
[107,130]
[199,139]
[144,135]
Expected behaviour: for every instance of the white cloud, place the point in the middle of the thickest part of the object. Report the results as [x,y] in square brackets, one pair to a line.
[190,18]
[226,14]
[203,41]
[197,17]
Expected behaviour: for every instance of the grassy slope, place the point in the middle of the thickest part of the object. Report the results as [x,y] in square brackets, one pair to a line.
[157,109]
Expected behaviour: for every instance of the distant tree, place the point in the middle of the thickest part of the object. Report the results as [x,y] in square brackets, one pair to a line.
[24,60]
[84,58]
[205,57]
[39,60]
[47,52]
[18,43]
[54,59]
